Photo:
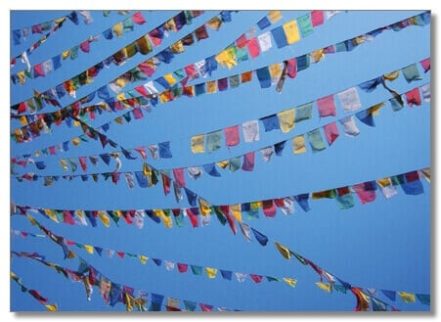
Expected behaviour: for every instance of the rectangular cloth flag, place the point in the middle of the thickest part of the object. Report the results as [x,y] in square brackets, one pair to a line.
[349,99]
[250,131]
[287,120]
[326,106]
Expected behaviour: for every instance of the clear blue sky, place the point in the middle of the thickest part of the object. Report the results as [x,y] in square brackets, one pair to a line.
[384,245]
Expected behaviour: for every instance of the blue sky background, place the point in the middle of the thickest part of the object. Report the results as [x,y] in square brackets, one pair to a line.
[384,244]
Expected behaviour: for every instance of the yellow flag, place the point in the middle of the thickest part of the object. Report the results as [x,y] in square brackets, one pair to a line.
[286,120]
[118,29]
[204,207]
[317,55]
[21,77]
[274,16]
[211,87]
[121,82]
[23,120]
[236,212]
[166,220]
[177,47]
[170,25]
[375,109]
[143,259]
[407,297]
[291,32]
[275,71]
[51,214]
[290,281]
[170,79]
[88,248]
[223,164]
[324,286]
[385,182]
[197,144]
[65,54]
[283,250]
[51,307]
[392,76]
[298,144]
[227,58]
[63,164]
[104,218]
[256,205]
[76,141]
[164,97]
[211,272]
[121,97]
[214,23]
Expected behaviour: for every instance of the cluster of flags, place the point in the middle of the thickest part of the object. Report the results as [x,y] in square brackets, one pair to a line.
[366,298]
[47,28]
[147,69]
[285,121]
[200,211]
[113,293]
[143,45]
[209,271]
[54,63]
[34,293]
[245,162]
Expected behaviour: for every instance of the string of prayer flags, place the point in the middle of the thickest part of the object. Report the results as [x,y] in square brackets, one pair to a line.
[169,265]
[46,67]
[113,293]
[35,294]
[366,192]
[317,143]
[366,298]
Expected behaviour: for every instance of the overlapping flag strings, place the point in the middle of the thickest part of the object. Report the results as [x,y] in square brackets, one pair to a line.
[245,162]
[35,294]
[35,125]
[366,297]
[200,211]
[151,96]
[210,272]
[254,45]
[285,121]
[54,63]
[143,45]
[114,293]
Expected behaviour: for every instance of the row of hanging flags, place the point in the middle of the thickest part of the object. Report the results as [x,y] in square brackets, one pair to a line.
[367,298]
[209,271]
[200,211]
[147,94]
[34,293]
[285,120]
[113,293]
[245,162]
[146,69]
